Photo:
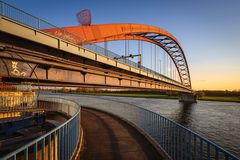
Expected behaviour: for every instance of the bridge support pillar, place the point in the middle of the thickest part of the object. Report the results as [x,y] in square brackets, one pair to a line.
[84,75]
[188,98]
[120,81]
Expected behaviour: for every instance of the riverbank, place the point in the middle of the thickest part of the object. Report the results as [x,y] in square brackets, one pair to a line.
[158,96]
[222,99]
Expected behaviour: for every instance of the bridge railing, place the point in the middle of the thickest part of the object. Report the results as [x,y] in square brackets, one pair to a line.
[61,142]
[37,23]
[174,139]
[15,103]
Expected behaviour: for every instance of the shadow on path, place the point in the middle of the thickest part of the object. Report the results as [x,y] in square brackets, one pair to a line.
[107,137]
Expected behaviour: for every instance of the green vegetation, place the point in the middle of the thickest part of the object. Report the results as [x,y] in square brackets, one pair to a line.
[224,96]
[223,99]
[138,95]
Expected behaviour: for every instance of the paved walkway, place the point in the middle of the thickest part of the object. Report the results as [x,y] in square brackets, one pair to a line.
[106,137]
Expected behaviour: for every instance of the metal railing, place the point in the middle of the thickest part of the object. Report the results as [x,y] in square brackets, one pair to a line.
[16,103]
[177,141]
[61,142]
[37,23]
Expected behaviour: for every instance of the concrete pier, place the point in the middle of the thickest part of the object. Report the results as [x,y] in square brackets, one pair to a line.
[188,98]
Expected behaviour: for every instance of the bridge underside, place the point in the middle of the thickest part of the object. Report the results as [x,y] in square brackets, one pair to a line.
[22,60]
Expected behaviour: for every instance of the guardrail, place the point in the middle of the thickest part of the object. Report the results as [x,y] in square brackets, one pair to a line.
[61,142]
[15,103]
[37,23]
[177,141]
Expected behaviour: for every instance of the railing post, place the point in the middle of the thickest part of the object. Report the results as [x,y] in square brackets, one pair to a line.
[35,151]
[67,137]
[64,142]
[43,149]
[201,149]
[164,133]
[161,131]
[54,146]
[26,153]
[195,147]
[67,141]
[169,138]
[2,8]
[181,143]
[208,150]
[49,147]
[216,153]
[75,132]
[38,23]
[176,142]
[185,144]
[59,144]
[70,136]
[190,145]
[172,139]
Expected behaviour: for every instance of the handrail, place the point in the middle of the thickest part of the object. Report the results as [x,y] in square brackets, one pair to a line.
[15,103]
[176,140]
[62,141]
[37,23]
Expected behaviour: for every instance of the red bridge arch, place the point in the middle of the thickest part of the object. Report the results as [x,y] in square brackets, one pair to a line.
[111,32]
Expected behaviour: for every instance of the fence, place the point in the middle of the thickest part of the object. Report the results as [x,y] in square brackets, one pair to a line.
[34,22]
[177,141]
[17,103]
[61,142]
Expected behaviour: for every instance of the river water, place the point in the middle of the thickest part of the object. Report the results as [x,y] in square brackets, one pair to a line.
[218,121]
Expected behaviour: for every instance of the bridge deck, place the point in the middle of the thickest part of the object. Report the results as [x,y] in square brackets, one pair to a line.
[107,137]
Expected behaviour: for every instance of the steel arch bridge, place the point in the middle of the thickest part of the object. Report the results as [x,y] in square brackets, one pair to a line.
[112,32]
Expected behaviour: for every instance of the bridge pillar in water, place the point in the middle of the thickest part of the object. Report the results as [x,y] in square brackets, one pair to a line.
[188,98]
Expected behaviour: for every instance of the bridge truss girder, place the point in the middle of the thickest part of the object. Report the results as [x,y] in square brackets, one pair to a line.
[40,69]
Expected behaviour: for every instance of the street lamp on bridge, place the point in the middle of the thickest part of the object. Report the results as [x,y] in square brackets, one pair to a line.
[131,56]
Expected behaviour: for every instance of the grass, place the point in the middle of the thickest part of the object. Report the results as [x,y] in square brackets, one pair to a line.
[139,95]
[223,99]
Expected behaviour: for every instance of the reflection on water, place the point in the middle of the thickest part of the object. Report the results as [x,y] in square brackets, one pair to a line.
[184,114]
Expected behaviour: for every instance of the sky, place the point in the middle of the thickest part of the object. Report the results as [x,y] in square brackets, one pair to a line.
[208,30]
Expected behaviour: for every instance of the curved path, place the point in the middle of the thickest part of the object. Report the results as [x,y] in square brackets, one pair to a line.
[107,137]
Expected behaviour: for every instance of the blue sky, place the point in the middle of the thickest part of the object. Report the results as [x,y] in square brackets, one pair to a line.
[209,30]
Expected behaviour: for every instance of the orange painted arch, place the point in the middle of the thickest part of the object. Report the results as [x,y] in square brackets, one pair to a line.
[83,35]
